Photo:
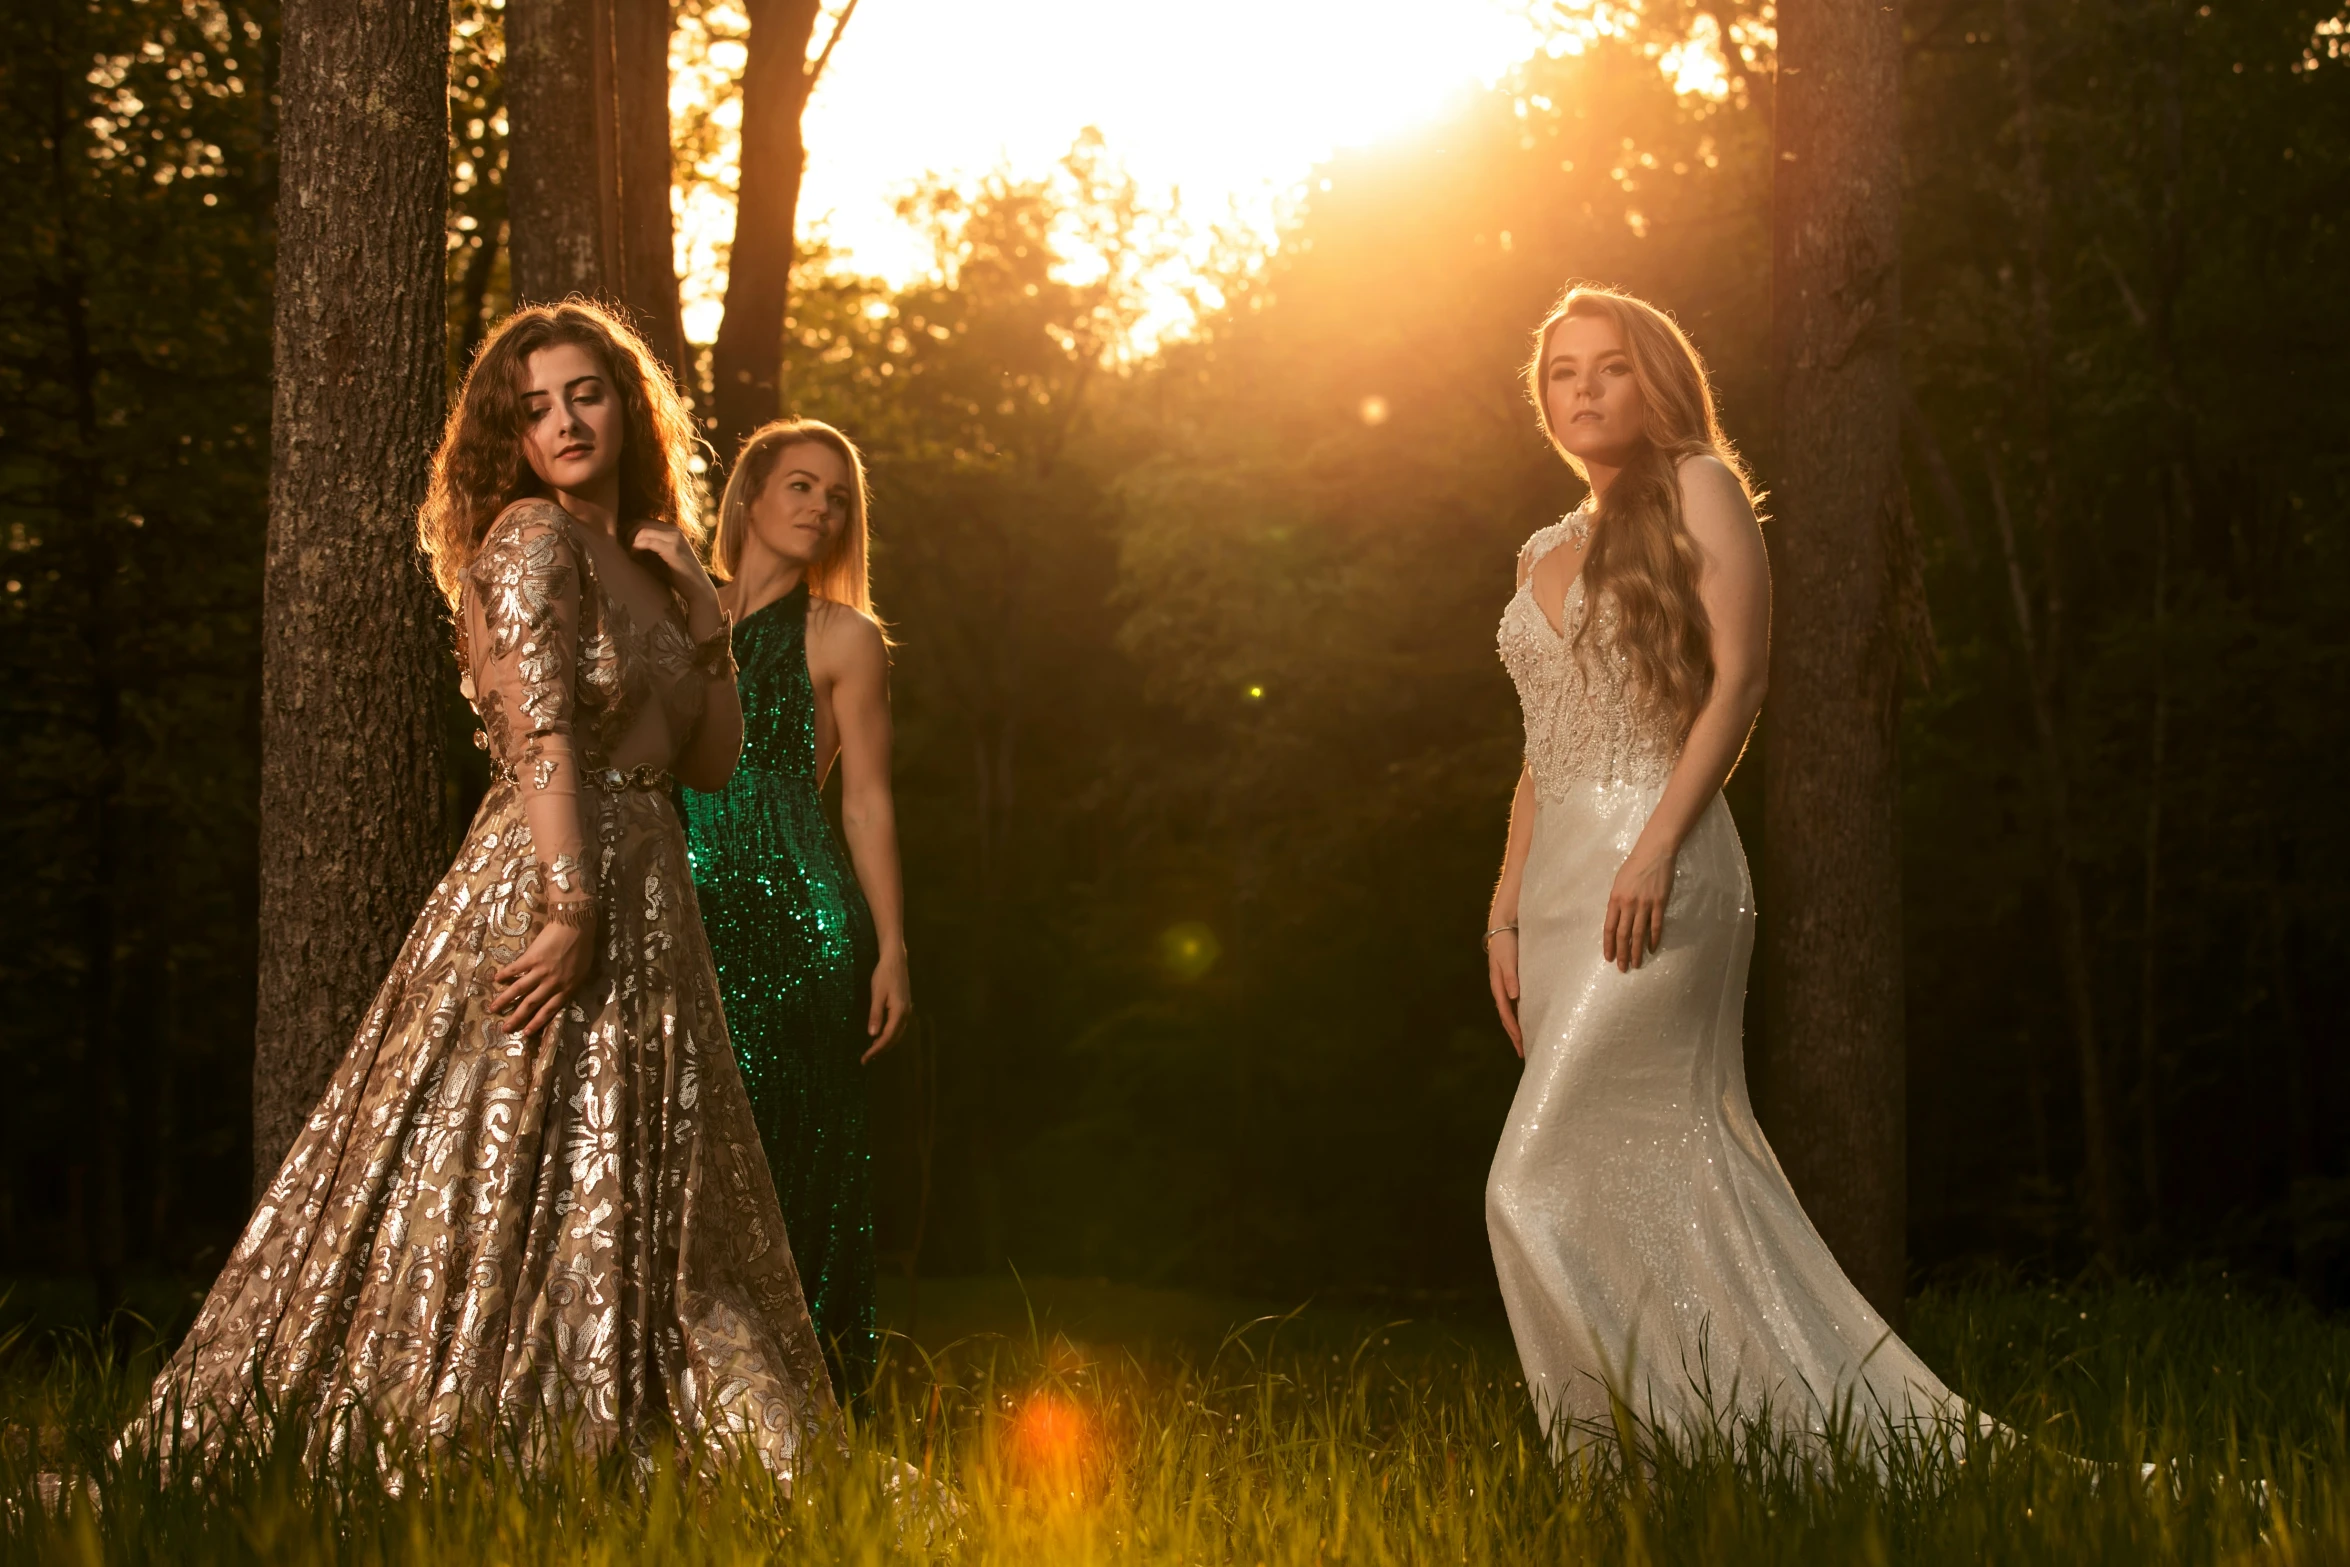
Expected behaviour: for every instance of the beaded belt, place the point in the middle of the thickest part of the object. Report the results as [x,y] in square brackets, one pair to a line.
[612,780]
[642,776]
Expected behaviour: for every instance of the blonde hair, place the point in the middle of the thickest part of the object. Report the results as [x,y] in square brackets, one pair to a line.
[844,574]
[480,468]
[1643,556]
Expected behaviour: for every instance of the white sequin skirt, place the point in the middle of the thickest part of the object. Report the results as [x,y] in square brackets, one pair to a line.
[1645,1237]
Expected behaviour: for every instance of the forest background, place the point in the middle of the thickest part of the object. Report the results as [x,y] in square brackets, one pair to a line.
[1204,748]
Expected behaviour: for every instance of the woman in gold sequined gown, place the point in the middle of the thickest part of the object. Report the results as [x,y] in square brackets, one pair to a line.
[1650,1250]
[532,1204]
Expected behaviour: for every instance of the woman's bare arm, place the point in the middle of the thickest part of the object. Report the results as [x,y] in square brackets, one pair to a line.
[856,676]
[1501,920]
[1734,581]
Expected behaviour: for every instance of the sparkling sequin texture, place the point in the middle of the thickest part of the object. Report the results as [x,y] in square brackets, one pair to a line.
[568,1237]
[795,948]
[1644,1237]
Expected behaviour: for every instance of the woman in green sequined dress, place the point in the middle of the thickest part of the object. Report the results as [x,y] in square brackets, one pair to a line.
[810,941]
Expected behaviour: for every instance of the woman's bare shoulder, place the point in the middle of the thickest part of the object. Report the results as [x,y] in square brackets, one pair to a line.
[845,637]
[1713,498]
[1702,474]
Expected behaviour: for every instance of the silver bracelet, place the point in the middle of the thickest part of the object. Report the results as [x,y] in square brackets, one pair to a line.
[1497,930]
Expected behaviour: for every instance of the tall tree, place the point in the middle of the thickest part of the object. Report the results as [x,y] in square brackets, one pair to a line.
[588,164]
[353,827]
[746,366]
[1832,869]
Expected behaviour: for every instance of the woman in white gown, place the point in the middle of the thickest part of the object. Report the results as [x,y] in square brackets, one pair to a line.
[1647,1243]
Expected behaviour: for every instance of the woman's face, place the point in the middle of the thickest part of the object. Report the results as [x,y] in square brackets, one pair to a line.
[804,504]
[571,419]
[1589,393]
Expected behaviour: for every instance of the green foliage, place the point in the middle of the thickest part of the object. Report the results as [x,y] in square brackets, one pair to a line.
[2182,550]
[1203,745]
[481,288]
[1305,1440]
[1289,732]
[137,171]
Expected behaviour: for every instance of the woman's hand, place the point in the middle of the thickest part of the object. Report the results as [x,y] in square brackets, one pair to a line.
[1636,907]
[533,988]
[1501,971]
[893,1002]
[668,549]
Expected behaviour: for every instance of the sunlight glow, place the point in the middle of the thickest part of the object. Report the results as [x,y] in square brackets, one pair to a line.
[1224,105]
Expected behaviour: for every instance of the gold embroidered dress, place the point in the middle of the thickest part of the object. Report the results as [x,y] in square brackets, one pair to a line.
[574,1233]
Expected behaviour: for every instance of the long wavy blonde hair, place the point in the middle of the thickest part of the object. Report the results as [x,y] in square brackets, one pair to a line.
[1642,555]
[480,469]
[844,575]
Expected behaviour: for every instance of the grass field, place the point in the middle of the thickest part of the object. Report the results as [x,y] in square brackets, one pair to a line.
[1077,1422]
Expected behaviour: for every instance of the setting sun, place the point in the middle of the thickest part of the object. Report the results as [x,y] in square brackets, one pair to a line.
[1227,104]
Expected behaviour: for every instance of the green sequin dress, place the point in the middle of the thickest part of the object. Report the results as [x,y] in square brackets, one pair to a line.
[795,948]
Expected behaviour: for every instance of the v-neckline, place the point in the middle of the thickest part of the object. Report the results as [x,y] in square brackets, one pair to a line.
[1576,521]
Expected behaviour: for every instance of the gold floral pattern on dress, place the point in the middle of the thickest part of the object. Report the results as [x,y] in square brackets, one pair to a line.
[572,1237]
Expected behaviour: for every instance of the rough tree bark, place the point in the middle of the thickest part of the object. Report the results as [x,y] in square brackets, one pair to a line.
[1832,867]
[587,160]
[353,828]
[746,365]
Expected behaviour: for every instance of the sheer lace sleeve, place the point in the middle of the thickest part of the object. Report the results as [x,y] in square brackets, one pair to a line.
[522,641]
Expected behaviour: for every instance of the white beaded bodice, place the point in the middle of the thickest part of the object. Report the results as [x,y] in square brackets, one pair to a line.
[1584,723]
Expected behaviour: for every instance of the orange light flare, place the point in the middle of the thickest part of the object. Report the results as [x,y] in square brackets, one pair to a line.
[1055,1447]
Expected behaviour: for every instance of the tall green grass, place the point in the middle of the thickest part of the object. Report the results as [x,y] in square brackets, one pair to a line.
[1290,1444]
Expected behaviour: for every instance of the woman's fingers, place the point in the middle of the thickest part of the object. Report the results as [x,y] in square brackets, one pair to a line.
[899,1010]
[1504,984]
[548,1010]
[514,984]
[520,1006]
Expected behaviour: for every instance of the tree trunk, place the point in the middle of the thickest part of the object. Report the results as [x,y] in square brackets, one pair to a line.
[587,160]
[646,245]
[353,828]
[1832,867]
[747,363]
[559,152]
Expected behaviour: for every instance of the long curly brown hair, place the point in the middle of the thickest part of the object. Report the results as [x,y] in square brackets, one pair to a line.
[1642,555]
[480,469]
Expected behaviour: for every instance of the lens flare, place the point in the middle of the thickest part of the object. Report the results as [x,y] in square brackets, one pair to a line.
[1189,950]
[1052,1445]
